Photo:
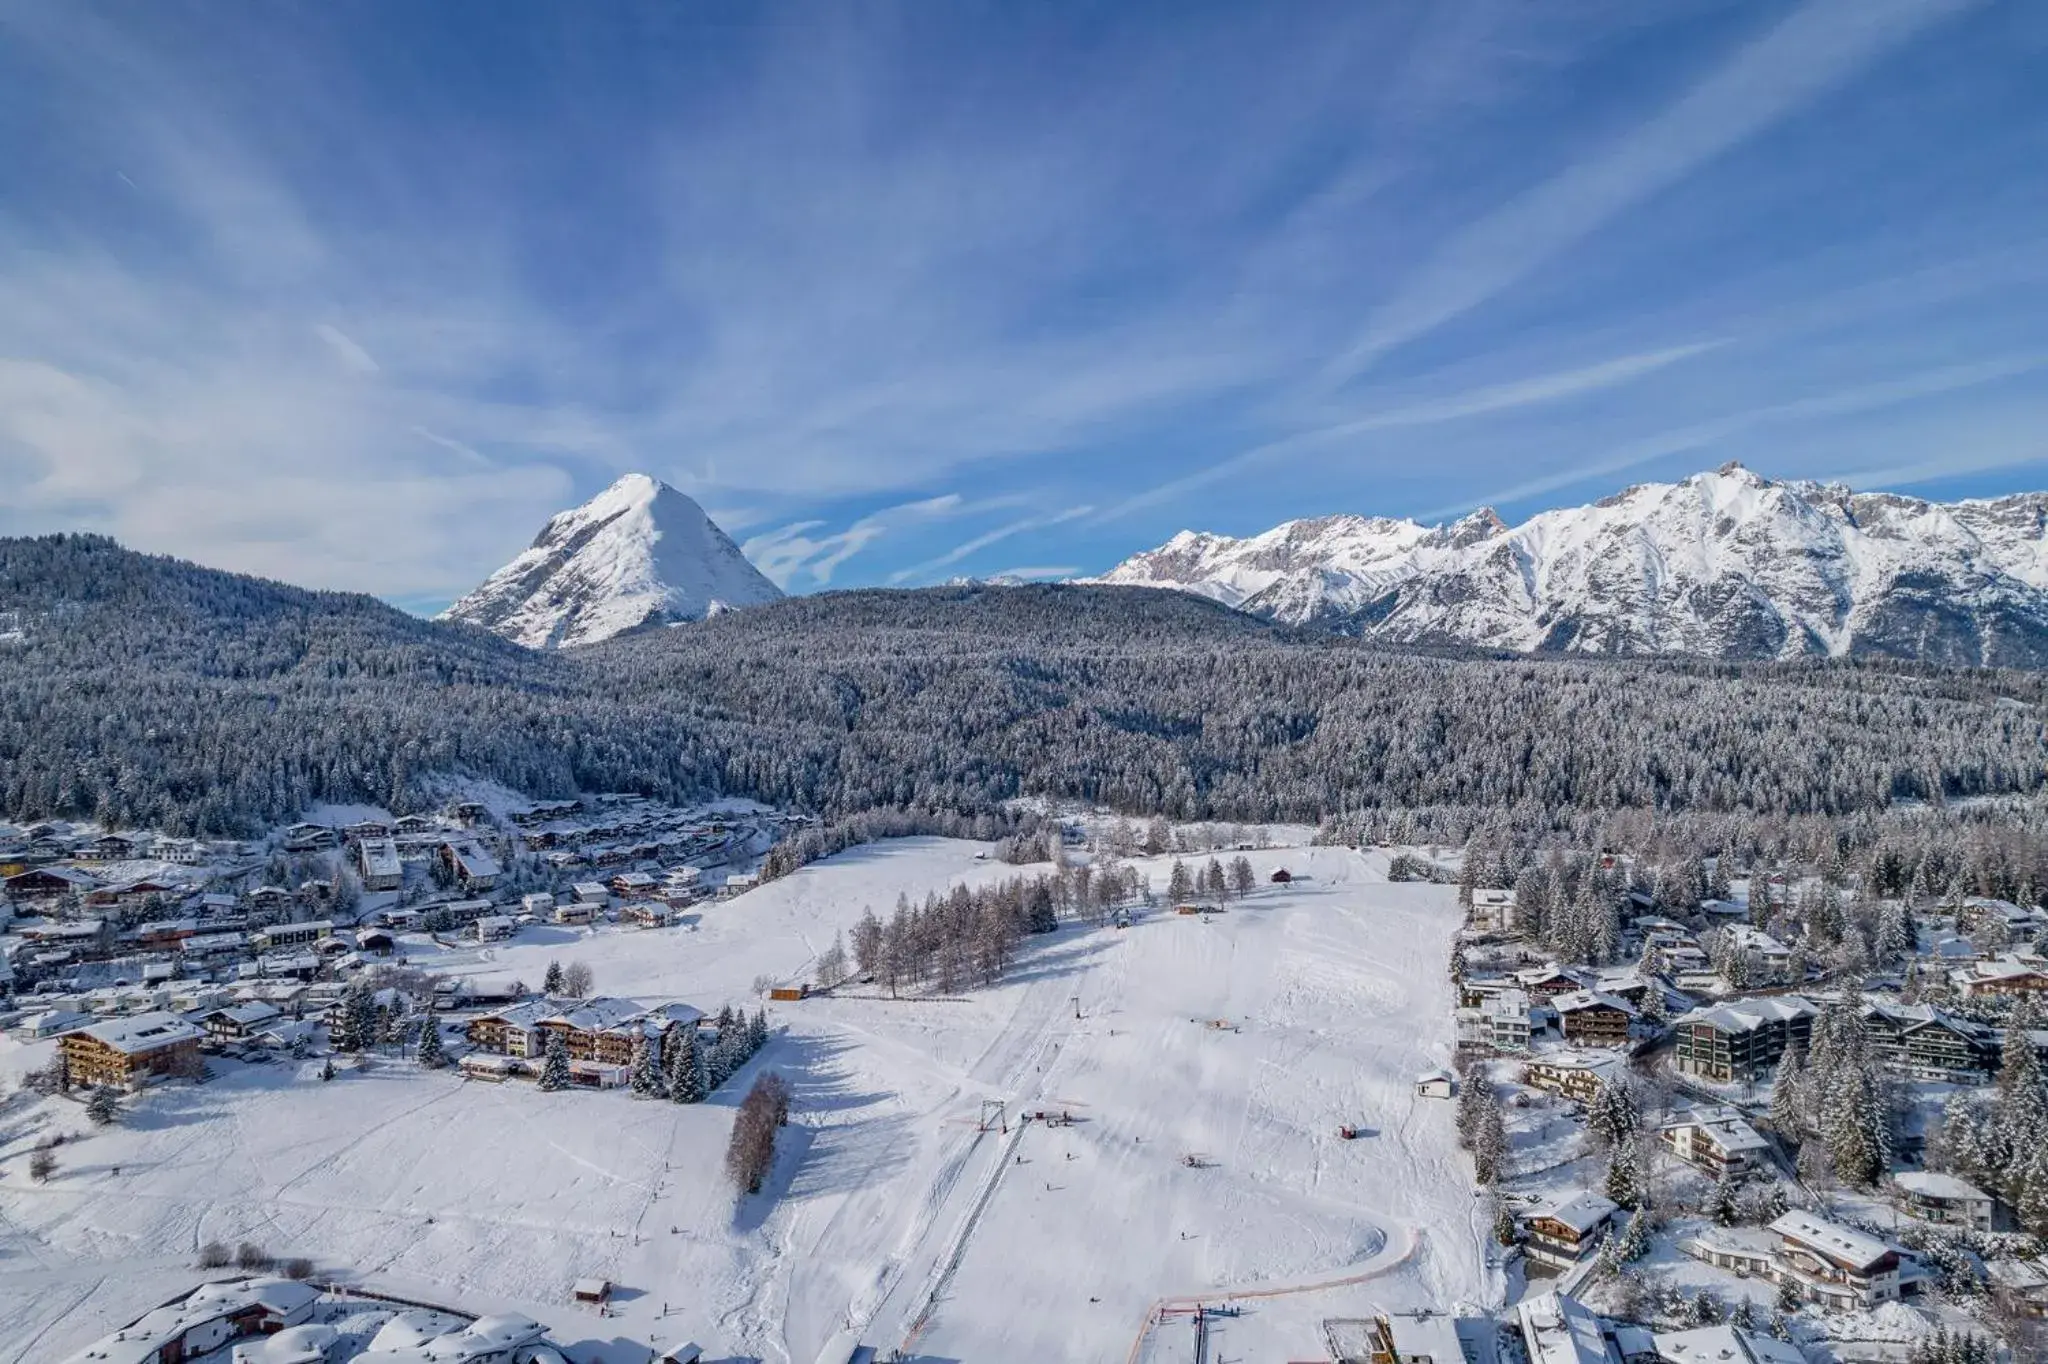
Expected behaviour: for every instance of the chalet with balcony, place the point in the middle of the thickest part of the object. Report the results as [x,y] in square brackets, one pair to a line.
[1575,1077]
[1926,1043]
[126,1052]
[1743,1039]
[2007,975]
[1717,1141]
[1567,1232]
[1946,1199]
[1591,1018]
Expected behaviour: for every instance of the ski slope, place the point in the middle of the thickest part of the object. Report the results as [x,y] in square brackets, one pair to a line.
[893,1218]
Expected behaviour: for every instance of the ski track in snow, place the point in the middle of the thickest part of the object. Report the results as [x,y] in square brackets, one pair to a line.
[889,1211]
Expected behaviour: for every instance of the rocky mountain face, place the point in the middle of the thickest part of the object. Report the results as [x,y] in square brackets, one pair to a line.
[639,554]
[1725,564]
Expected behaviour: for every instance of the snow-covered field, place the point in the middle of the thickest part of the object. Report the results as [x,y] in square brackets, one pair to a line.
[891,1214]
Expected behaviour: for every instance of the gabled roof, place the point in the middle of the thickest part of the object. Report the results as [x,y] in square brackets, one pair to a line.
[1725,1127]
[1582,1212]
[1578,1001]
[1724,1345]
[1600,1063]
[140,1032]
[1559,1330]
[1839,1243]
[244,1015]
[1934,1184]
[596,1015]
[1747,1015]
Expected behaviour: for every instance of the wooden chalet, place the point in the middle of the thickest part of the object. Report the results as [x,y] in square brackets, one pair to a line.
[124,1052]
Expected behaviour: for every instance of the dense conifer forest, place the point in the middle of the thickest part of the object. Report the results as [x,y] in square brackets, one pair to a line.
[142,690]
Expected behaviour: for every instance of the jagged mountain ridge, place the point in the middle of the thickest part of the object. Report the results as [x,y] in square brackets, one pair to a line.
[638,554]
[1726,564]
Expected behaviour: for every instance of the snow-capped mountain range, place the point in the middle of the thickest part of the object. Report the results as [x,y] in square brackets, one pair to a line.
[638,554]
[1725,564]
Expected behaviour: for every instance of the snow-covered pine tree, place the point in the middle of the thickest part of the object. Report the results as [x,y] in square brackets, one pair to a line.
[1613,1117]
[432,1054]
[1633,1241]
[1788,1094]
[1625,1175]
[1721,1205]
[1489,1145]
[554,1069]
[2020,1116]
[1179,885]
[551,983]
[102,1106]
[646,1067]
[355,1028]
[1475,1094]
[686,1070]
[1855,1102]
[1504,1230]
[1895,937]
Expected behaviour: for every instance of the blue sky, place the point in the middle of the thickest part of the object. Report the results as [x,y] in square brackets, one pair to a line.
[356,295]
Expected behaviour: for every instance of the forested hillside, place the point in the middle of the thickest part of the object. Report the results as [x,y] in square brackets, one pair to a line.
[143,690]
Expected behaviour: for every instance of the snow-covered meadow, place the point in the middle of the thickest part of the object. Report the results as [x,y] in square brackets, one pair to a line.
[893,1218]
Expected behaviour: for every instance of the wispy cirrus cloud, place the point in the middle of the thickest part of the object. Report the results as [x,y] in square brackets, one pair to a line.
[1705,437]
[358,300]
[793,555]
[1817,47]
[1490,399]
[969,548]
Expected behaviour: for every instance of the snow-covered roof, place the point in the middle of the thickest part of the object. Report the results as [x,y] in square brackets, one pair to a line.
[380,857]
[1747,1015]
[1752,939]
[142,1340]
[1837,1242]
[1726,1128]
[1558,1329]
[504,1330]
[522,1015]
[140,1032]
[1935,1184]
[1536,975]
[1425,1335]
[244,1015]
[1578,1001]
[598,1014]
[1724,1345]
[1582,1212]
[473,860]
[1600,1064]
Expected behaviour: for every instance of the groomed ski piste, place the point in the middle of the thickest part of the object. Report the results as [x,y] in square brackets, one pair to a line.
[1200,1068]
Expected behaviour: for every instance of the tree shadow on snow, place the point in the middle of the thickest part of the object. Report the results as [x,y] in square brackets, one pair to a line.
[792,1144]
[1057,959]
[812,1158]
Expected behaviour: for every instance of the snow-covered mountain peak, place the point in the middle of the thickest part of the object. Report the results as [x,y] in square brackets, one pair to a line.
[1727,563]
[638,554]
